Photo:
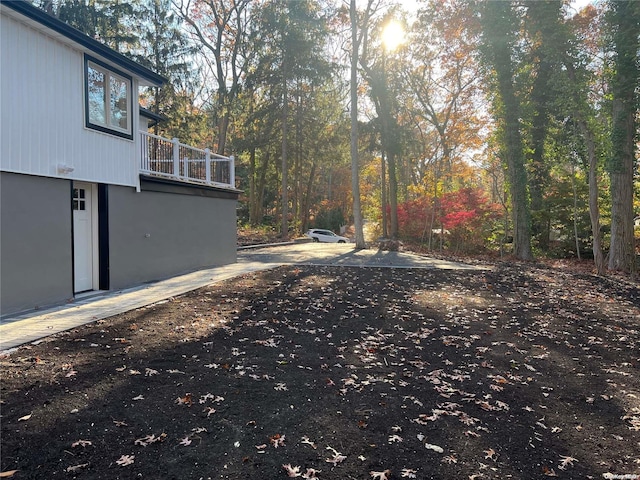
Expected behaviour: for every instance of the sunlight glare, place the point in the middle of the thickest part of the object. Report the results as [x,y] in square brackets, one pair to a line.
[392,35]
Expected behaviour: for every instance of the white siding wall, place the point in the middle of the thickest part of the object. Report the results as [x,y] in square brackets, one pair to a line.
[42,113]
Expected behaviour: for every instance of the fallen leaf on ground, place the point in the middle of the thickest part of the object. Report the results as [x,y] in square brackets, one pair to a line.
[566,462]
[306,441]
[408,473]
[186,400]
[81,443]
[490,454]
[277,440]
[311,473]
[292,471]
[336,458]
[75,468]
[384,475]
[125,460]
[149,439]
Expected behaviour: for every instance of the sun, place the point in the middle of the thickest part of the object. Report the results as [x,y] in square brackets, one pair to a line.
[392,35]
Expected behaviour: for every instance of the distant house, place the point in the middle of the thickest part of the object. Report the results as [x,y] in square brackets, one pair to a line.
[89,199]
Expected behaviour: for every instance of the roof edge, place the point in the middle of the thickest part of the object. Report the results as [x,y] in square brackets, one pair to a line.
[145,112]
[40,16]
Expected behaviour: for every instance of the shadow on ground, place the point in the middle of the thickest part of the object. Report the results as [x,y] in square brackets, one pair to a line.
[352,373]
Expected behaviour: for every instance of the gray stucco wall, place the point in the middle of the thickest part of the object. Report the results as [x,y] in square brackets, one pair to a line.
[155,235]
[35,242]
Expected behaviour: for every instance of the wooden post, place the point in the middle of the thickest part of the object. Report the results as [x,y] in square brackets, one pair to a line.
[207,166]
[176,156]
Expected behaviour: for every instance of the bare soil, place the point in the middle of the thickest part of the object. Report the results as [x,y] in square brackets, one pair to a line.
[257,236]
[519,372]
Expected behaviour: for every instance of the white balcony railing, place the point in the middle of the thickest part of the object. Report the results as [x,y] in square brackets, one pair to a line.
[162,157]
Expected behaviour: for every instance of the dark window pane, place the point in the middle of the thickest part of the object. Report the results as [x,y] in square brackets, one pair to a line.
[118,99]
[96,86]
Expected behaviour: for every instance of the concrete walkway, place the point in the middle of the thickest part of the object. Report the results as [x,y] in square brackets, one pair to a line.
[35,325]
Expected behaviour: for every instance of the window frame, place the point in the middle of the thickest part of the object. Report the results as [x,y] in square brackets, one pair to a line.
[109,72]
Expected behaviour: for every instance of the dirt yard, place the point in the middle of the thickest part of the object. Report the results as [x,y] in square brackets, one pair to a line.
[519,372]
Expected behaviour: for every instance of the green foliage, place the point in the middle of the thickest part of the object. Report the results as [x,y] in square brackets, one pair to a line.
[329,217]
[624,21]
[165,49]
[112,22]
[500,24]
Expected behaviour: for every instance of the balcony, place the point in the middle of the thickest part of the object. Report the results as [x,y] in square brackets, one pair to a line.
[168,158]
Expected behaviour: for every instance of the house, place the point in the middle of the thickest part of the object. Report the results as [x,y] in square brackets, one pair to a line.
[89,199]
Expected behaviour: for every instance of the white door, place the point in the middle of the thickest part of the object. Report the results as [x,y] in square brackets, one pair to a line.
[82,237]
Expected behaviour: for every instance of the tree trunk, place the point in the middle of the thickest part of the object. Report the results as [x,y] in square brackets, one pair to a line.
[284,231]
[625,22]
[355,168]
[594,209]
[296,204]
[621,253]
[544,25]
[393,196]
[590,143]
[499,44]
[252,185]
[383,191]
[304,220]
[257,211]
[223,127]
[575,211]
[518,183]
[383,107]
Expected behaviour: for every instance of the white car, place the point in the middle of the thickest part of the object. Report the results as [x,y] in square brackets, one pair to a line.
[319,235]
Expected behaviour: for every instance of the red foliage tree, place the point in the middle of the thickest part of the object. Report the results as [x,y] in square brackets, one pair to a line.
[469,217]
[414,217]
[466,216]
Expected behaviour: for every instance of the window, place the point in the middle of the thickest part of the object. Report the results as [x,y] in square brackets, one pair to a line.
[107,99]
[79,200]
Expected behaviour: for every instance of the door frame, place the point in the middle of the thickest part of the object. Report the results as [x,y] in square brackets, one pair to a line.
[95,272]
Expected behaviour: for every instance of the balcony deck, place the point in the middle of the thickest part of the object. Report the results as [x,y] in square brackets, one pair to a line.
[168,158]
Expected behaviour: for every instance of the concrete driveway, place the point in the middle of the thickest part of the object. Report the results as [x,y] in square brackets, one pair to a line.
[340,254]
[36,325]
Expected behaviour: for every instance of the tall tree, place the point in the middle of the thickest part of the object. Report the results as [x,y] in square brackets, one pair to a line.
[624,20]
[442,82]
[574,98]
[289,35]
[545,36]
[112,22]
[165,50]
[500,24]
[373,62]
[356,40]
[220,27]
